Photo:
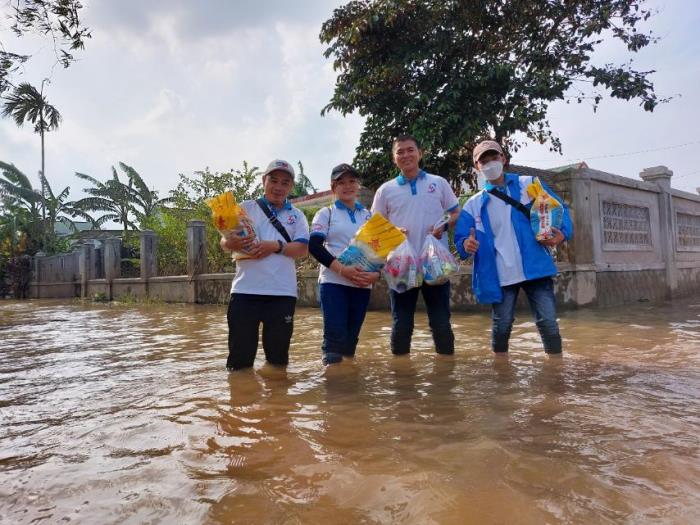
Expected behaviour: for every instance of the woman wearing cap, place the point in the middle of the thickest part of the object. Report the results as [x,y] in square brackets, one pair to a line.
[264,289]
[344,289]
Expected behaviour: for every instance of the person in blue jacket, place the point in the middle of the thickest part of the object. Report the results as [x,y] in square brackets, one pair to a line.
[507,257]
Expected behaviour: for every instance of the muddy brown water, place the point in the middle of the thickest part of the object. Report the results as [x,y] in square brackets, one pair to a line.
[124,414]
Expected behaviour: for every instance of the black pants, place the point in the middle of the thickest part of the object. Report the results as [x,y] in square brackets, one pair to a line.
[403,309]
[245,313]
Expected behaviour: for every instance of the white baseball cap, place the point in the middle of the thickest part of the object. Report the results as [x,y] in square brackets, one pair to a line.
[280,165]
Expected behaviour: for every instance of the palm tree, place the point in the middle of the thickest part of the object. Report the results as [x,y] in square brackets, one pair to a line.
[145,202]
[112,197]
[26,104]
[303,185]
[16,186]
[23,203]
[58,210]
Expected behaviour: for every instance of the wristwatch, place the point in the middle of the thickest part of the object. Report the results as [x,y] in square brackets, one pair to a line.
[281,246]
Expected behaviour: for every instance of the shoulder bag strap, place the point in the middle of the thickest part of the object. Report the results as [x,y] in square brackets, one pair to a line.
[274,220]
[510,200]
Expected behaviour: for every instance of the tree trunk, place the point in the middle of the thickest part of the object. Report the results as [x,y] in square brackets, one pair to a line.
[47,227]
[43,174]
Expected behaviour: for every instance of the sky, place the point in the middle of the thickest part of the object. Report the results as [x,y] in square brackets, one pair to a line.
[174,86]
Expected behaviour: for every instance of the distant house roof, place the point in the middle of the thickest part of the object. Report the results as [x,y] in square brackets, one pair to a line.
[87,235]
[315,199]
[528,171]
[575,166]
[548,176]
[62,230]
[324,198]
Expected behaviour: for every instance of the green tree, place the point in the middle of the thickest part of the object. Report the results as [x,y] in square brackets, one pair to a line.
[15,221]
[34,213]
[189,203]
[113,198]
[192,192]
[451,72]
[145,201]
[58,209]
[21,213]
[302,185]
[56,20]
[26,104]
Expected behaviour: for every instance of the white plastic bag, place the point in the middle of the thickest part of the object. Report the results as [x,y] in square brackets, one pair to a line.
[402,269]
[436,261]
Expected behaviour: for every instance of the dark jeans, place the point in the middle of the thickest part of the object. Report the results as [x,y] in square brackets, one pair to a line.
[540,295]
[403,308]
[344,309]
[245,313]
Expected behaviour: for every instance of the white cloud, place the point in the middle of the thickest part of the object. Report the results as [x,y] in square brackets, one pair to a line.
[171,87]
[165,115]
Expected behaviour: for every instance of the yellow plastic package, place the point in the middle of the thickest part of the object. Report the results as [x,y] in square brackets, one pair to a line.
[371,244]
[230,219]
[546,212]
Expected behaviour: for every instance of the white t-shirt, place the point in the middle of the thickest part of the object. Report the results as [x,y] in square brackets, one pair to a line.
[275,274]
[415,205]
[337,225]
[509,261]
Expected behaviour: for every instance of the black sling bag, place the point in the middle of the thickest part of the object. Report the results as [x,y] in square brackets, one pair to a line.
[274,220]
[510,200]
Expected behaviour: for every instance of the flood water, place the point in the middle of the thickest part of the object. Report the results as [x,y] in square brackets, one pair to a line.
[124,414]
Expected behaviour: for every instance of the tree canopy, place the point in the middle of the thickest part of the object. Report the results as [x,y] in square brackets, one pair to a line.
[28,216]
[451,72]
[302,184]
[57,20]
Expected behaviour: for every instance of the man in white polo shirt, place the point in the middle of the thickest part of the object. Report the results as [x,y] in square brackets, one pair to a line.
[264,289]
[415,201]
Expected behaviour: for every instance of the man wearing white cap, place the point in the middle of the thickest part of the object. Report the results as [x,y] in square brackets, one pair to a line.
[264,289]
[494,227]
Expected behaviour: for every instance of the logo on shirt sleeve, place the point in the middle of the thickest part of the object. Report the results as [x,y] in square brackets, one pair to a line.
[316,227]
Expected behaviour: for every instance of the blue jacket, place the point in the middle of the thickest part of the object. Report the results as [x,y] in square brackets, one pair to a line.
[537,260]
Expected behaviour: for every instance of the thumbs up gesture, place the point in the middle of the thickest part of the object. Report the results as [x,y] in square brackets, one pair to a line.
[471,245]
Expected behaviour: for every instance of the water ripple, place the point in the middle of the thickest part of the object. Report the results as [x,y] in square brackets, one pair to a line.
[124,414]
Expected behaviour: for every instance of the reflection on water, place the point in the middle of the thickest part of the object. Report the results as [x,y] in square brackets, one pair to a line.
[114,414]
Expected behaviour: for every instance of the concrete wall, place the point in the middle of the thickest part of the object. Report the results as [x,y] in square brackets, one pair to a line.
[634,240]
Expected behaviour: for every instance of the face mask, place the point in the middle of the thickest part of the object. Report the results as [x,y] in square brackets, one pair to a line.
[492,170]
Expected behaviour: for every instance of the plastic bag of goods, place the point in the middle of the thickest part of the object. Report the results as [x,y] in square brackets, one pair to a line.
[402,271]
[437,263]
[371,244]
[546,212]
[230,219]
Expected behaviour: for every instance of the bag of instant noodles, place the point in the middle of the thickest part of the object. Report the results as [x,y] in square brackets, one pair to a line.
[546,212]
[371,244]
[230,219]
